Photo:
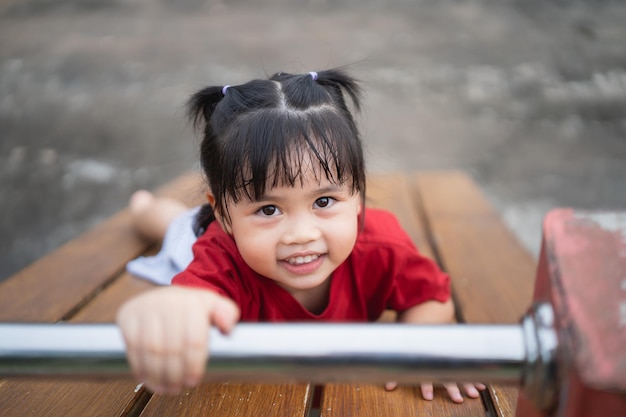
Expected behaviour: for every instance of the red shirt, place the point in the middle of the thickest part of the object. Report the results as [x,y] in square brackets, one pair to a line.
[384,271]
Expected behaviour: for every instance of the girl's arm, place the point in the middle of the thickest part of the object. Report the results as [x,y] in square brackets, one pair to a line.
[166,332]
[429,312]
[435,312]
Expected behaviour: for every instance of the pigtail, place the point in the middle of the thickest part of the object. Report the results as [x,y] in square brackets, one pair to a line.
[200,109]
[201,105]
[341,81]
[203,218]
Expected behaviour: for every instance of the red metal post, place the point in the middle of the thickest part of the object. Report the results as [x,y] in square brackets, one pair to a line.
[582,273]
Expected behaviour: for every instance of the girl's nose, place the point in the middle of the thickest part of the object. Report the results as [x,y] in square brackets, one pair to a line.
[301,229]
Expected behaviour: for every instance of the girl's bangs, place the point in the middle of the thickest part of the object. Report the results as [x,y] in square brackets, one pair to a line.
[281,149]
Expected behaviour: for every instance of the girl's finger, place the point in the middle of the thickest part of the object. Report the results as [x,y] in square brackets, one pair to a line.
[454,392]
[173,353]
[131,330]
[471,390]
[224,312]
[390,386]
[196,339]
[152,356]
[427,391]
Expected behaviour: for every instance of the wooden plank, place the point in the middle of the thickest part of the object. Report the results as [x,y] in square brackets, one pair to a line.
[486,261]
[190,189]
[102,309]
[229,399]
[46,398]
[393,192]
[492,275]
[503,400]
[374,401]
[486,268]
[451,193]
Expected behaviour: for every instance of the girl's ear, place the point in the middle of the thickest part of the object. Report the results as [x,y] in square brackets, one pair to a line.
[218,216]
[211,199]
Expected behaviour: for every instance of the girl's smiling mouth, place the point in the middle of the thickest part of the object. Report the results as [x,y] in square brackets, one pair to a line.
[303,264]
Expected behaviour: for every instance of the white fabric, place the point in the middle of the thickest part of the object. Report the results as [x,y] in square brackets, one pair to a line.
[175,253]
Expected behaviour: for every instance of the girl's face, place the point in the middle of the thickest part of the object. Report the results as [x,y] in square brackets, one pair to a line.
[297,236]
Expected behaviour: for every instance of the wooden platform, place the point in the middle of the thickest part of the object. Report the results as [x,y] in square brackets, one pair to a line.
[445,213]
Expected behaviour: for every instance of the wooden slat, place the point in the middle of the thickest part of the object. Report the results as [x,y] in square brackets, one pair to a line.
[102,309]
[503,399]
[228,400]
[51,398]
[393,192]
[189,189]
[492,275]
[485,269]
[374,401]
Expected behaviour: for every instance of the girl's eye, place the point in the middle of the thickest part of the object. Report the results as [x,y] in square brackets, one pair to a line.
[324,202]
[269,211]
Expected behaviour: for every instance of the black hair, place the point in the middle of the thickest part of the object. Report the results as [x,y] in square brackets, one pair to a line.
[260,134]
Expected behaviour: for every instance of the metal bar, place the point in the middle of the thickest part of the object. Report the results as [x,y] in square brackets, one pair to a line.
[285,352]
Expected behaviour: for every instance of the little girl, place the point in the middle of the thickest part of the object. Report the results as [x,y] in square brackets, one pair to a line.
[285,235]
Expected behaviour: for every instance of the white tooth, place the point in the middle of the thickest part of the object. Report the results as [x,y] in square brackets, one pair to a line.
[298,260]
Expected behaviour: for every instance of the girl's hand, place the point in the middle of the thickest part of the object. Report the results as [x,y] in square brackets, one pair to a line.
[166,332]
[452,387]
[435,312]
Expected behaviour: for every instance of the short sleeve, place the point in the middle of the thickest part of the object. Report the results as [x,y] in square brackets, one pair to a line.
[405,277]
[213,266]
[416,279]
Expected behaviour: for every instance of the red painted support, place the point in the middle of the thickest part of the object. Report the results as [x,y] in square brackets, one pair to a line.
[582,273]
